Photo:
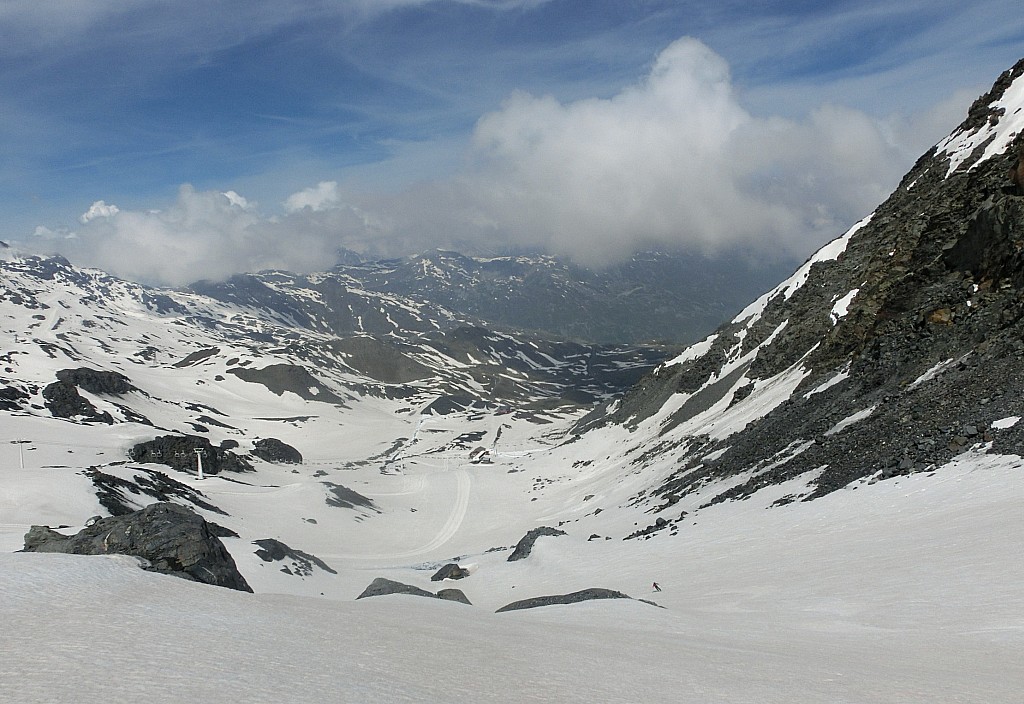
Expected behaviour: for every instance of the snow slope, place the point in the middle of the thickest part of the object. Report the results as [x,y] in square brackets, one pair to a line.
[903,591]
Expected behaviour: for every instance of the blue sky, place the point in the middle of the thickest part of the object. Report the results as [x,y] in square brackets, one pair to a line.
[584,127]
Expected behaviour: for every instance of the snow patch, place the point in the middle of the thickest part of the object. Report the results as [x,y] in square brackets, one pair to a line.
[850,420]
[842,306]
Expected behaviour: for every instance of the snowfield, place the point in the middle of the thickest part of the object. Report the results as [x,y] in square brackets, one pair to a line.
[907,590]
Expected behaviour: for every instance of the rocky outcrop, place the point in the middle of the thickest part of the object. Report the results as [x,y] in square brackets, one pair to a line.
[381,586]
[63,401]
[573,598]
[97,382]
[450,571]
[120,496]
[294,562]
[525,545]
[179,452]
[12,398]
[170,538]
[274,450]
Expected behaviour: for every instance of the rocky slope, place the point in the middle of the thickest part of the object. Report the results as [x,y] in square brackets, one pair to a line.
[893,349]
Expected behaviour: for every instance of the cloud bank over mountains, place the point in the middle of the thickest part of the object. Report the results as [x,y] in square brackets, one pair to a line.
[673,160]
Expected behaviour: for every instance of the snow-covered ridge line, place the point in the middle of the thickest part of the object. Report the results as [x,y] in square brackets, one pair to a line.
[831,251]
[996,134]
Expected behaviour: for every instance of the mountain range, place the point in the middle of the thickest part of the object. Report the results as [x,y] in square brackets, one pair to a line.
[824,491]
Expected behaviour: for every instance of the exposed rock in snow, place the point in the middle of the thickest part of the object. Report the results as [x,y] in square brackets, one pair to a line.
[171,538]
[525,545]
[274,450]
[573,598]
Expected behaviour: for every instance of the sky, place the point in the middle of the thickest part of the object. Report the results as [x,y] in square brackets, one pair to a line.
[167,141]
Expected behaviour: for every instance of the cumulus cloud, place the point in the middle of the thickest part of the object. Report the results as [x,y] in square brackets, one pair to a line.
[99,209]
[202,235]
[673,160]
[322,196]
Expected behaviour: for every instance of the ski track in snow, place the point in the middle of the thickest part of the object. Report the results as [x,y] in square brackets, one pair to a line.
[459,506]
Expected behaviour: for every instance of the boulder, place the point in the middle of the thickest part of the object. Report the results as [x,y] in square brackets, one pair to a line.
[171,538]
[450,571]
[382,586]
[525,546]
[274,450]
[454,595]
[573,598]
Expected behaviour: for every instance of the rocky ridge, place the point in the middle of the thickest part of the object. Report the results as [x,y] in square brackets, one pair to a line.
[892,350]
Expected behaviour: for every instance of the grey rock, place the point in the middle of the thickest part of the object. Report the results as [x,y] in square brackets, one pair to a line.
[453,595]
[172,538]
[525,545]
[382,586]
[299,563]
[450,571]
[274,450]
[573,598]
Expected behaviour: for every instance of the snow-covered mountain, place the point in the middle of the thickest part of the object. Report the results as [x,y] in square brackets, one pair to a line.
[653,296]
[827,489]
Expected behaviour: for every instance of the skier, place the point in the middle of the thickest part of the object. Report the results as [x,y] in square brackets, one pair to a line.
[655,587]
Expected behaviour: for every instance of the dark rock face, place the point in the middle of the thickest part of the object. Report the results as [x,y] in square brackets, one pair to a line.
[97,382]
[573,598]
[449,571]
[525,546]
[381,586]
[273,450]
[63,401]
[302,563]
[179,452]
[172,538]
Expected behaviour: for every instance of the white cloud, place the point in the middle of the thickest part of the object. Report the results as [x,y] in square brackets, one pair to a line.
[201,235]
[99,209]
[672,160]
[236,200]
[45,234]
[322,196]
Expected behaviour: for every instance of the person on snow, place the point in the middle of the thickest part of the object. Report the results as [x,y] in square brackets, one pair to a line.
[655,587]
